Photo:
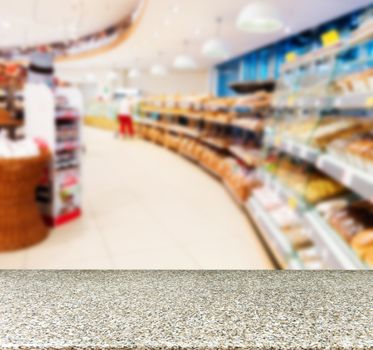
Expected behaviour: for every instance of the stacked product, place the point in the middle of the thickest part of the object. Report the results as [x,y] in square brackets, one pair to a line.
[199,127]
[59,193]
[289,222]
[354,222]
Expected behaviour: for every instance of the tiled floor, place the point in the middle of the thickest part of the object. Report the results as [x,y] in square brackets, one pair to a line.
[146,208]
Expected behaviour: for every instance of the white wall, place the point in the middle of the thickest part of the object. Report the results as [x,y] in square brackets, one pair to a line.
[176,82]
[173,83]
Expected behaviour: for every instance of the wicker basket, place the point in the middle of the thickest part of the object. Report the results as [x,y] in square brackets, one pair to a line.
[21,224]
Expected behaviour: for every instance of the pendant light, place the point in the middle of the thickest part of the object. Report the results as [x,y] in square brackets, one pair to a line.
[185,61]
[91,78]
[158,69]
[134,73]
[216,47]
[112,76]
[260,17]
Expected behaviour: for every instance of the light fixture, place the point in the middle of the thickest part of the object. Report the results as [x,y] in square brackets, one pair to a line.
[288,30]
[260,17]
[6,24]
[112,76]
[134,73]
[216,47]
[167,22]
[185,61]
[175,9]
[159,69]
[91,78]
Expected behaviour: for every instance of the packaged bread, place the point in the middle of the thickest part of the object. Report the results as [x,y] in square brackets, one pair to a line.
[362,243]
[369,259]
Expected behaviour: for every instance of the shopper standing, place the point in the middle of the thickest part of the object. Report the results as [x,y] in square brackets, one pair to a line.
[125,118]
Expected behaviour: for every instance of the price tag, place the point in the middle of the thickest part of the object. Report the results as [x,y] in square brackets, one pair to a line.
[369,102]
[330,38]
[291,56]
[320,163]
[347,178]
[304,152]
[293,203]
[291,101]
[278,141]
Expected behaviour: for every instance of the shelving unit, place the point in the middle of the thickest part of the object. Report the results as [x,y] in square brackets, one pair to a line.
[334,250]
[275,239]
[297,100]
[359,181]
[306,89]
[59,195]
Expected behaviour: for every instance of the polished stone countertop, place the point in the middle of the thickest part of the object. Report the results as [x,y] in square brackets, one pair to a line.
[185,310]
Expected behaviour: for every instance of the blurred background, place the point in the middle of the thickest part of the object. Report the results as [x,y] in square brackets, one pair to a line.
[175,134]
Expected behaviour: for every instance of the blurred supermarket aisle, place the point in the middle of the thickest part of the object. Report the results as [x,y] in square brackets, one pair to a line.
[147,208]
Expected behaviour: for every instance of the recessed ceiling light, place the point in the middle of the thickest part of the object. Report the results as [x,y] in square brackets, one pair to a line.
[185,62]
[6,24]
[167,22]
[216,48]
[134,73]
[158,70]
[175,9]
[260,17]
[288,30]
[112,76]
[91,78]
[197,32]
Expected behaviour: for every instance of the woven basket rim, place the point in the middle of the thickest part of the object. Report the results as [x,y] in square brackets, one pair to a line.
[44,155]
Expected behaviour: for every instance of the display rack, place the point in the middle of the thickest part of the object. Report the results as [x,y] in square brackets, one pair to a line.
[300,99]
[254,136]
[275,239]
[59,195]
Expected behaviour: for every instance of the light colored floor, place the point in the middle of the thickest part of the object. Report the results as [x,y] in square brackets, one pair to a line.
[146,208]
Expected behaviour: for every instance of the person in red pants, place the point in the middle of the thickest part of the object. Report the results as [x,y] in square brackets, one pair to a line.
[125,119]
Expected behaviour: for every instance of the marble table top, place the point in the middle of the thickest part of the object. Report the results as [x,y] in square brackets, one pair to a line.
[178,310]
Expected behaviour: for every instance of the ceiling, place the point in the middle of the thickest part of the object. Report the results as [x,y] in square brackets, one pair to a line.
[167,23]
[34,22]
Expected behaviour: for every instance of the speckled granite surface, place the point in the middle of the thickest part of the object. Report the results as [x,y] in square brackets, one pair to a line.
[186,310]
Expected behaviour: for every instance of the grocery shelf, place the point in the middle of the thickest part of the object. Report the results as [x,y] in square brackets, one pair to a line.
[310,58]
[233,194]
[67,115]
[299,150]
[184,131]
[275,239]
[353,101]
[68,146]
[333,249]
[196,116]
[247,124]
[350,176]
[147,122]
[214,143]
[362,100]
[289,196]
[217,121]
[170,128]
[210,171]
[249,87]
[355,179]
[242,155]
